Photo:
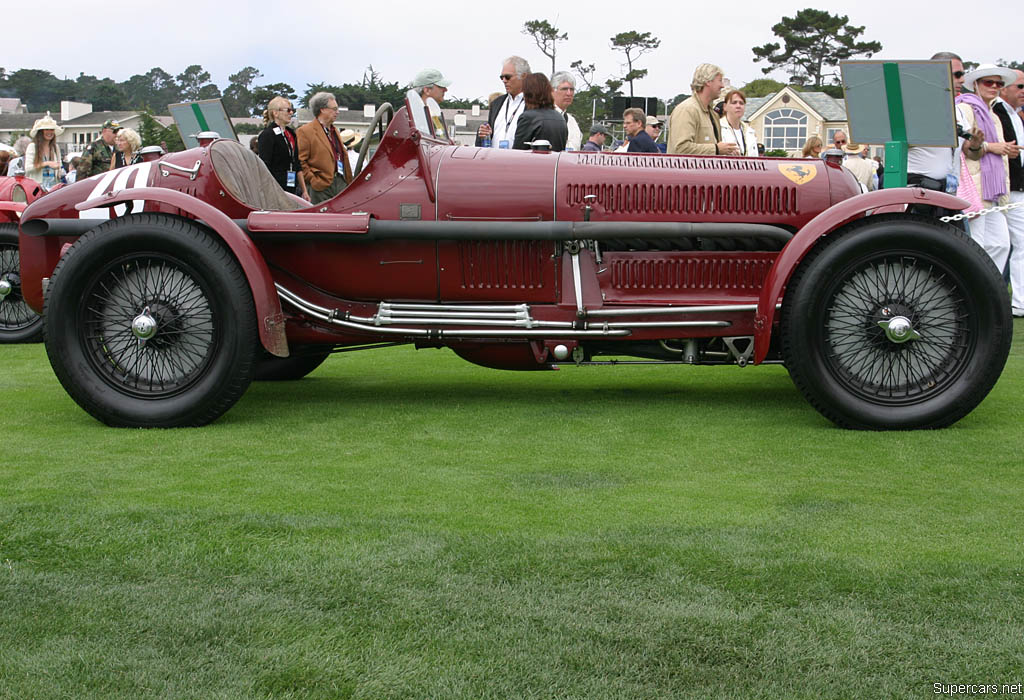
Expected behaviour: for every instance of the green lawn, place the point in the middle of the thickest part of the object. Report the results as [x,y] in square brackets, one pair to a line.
[404,524]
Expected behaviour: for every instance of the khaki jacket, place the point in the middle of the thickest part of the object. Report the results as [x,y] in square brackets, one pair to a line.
[691,129]
[317,156]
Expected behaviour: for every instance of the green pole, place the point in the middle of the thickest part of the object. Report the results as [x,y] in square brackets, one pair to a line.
[896,148]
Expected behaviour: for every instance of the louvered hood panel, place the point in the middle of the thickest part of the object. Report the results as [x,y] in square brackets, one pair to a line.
[682,188]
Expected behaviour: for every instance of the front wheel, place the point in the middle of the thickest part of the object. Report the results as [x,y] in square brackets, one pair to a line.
[896,323]
[150,322]
[18,322]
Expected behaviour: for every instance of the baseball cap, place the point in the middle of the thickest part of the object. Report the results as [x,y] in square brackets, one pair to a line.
[112,124]
[430,76]
[600,129]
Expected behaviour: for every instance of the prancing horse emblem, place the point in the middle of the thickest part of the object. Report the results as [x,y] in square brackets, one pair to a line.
[800,173]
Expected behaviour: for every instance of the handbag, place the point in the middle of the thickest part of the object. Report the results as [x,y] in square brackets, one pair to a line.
[966,190]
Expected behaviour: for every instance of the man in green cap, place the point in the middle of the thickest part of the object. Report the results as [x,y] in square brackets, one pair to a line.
[96,156]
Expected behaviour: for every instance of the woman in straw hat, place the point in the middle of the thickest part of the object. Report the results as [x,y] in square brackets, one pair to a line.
[42,156]
[986,156]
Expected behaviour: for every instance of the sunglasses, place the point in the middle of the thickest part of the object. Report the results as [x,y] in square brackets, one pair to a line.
[841,142]
[506,76]
[290,110]
[958,74]
[992,83]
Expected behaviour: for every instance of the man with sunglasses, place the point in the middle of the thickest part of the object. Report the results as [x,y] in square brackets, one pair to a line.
[937,168]
[503,117]
[1005,107]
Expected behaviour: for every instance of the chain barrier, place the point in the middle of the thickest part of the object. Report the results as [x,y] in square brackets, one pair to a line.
[981,212]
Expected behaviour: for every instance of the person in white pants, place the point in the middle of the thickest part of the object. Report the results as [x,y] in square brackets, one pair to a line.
[1011,98]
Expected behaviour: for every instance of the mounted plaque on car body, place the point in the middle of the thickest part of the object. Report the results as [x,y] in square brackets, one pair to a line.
[192,118]
[900,104]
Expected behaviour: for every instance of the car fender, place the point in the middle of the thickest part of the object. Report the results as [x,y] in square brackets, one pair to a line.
[824,223]
[10,212]
[261,282]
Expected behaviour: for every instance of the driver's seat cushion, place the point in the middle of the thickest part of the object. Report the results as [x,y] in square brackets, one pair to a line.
[247,179]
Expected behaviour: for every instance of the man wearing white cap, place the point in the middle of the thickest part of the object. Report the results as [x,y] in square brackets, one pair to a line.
[1005,107]
[431,83]
[988,154]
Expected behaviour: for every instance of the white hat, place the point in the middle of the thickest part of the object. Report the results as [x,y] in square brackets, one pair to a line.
[46,122]
[430,76]
[986,70]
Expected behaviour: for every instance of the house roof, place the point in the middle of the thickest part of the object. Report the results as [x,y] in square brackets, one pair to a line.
[826,107]
[96,119]
[19,122]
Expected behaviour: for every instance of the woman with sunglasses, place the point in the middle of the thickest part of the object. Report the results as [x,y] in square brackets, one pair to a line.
[277,146]
[987,155]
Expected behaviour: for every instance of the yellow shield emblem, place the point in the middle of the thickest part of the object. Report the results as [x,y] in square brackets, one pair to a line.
[800,173]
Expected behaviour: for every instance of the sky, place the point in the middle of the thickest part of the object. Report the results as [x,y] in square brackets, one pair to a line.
[333,42]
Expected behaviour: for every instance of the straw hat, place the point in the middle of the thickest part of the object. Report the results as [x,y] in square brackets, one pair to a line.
[46,123]
[853,148]
[351,138]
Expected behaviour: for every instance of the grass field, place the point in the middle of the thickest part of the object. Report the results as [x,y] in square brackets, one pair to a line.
[404,524]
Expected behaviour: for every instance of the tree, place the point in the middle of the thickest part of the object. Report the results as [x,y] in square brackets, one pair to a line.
[153,133]
[191,82]
[762,87]
[545,36]
[634,45]
[815,41]
[238,96]
[152,91]
[263,94]
[586,72]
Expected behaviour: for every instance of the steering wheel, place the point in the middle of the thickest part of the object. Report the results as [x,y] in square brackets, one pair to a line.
[378,122]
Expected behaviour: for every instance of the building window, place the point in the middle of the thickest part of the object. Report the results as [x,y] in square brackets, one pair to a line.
[785,129]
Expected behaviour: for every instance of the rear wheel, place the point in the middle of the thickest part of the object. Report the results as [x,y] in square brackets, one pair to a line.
[149,322]
[896,323]
[18,322]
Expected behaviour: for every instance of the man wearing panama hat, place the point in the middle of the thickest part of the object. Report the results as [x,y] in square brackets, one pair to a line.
[988,154]
[96,156]
[861,167]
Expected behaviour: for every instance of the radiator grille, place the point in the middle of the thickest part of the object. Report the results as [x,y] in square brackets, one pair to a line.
[690,273]
[663,163]
[503,264]
[624,198]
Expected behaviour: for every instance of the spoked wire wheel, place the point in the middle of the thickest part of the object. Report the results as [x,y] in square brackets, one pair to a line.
[897,328]
[148,326]
[18,322]
[150,322]
[894,323]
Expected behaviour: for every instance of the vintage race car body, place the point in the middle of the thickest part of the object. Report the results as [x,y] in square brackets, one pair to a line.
[178,271]
[18,322]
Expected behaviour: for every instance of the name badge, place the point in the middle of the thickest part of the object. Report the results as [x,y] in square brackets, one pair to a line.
[277,130]
[291,179]
[503,144]
[341,168]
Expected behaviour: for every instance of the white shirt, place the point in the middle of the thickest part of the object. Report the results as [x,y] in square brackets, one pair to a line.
[1018,126]
[575,138]
[506,121]
[933,161]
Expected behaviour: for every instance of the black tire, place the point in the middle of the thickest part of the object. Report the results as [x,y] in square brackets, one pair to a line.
[18,322]
[168,271]
[301,362]
[882,270]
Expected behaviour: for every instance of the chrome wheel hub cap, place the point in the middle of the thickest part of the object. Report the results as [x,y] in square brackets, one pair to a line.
[144,325]
[898,329]
[5,288]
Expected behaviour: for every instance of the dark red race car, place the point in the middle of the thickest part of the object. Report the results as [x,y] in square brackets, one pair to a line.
[169,285]
[18,323]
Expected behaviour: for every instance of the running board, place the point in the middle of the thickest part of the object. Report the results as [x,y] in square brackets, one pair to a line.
[497,320]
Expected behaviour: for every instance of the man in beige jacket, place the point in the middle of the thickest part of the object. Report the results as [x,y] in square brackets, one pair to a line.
[861,167]
[693,127]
